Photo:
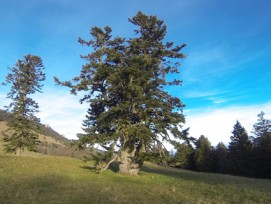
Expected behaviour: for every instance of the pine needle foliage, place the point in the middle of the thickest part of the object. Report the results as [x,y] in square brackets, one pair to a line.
[240,149]
[124,81]
[25,79]
[262,146]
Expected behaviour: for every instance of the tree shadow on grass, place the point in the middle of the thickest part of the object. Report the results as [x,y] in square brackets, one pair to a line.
[114,167]
[182,174]
[91,168]
[207,178]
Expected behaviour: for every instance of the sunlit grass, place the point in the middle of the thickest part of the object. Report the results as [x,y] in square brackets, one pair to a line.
[34,178]
[64,180]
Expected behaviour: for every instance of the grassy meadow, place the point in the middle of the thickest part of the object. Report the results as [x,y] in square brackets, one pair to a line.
[45,179]
[34,178]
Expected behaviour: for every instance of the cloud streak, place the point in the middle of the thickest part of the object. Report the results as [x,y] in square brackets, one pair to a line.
[62,112]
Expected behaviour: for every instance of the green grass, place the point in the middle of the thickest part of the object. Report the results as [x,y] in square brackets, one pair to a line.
[34,178]
[42,179]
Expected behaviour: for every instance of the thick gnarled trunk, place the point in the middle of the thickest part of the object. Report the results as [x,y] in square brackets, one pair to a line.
[128,165]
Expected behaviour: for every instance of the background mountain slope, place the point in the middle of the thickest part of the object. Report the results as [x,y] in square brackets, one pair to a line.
[51,142]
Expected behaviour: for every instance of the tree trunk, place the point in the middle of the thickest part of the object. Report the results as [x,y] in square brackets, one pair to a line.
[18,151]
[128,165]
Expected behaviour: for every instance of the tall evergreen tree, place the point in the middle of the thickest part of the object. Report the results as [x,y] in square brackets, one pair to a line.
[262,156]
[25,79]
[203,155]
[240,151]
[184,157]
[220,158]
[124,81]
[260,128]
[262,146]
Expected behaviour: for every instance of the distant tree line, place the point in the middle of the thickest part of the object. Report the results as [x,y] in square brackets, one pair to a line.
[245,155]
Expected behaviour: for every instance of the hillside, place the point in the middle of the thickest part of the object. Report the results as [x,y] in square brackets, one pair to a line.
[42,179]
[46,141]
[49,145]
[45,129]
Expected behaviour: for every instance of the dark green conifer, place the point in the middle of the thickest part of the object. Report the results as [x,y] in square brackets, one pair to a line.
[240,151]
[124,80]
[220,158]
[262,146]
[260,128]
[203,156]
[184,157]
[25,79]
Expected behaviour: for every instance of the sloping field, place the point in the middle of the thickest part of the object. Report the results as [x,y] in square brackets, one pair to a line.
[42,138]
[45,179]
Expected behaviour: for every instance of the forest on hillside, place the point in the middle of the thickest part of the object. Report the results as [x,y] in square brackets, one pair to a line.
[245,155]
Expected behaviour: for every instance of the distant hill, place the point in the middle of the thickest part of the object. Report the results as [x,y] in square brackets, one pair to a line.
[48,131]
[45,130]
[51,142]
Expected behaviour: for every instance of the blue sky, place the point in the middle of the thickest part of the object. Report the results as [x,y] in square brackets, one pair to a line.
[226,74]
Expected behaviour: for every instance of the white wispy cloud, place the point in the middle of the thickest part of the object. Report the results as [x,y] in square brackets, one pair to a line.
[217,100]
[62,112]
[58,109]
[205,62]
[202,94]
[217,124]
[211,62]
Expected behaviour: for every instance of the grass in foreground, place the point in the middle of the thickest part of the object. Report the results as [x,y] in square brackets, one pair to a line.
[65,180]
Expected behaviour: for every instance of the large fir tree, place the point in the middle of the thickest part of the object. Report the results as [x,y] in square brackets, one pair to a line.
[124,80]
[25,79]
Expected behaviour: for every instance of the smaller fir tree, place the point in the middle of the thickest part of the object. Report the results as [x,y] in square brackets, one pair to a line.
[184,156]
[25,79]
[240,149]
[220,158]
[261,128]
[203,155]
[262,147]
